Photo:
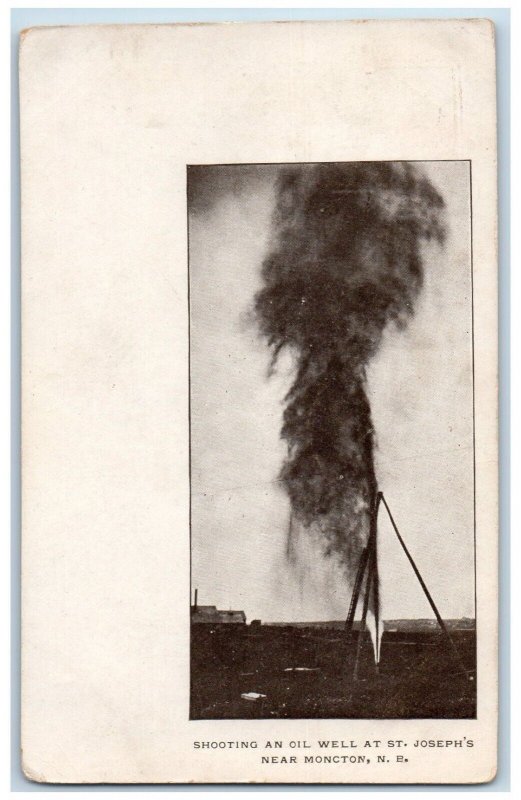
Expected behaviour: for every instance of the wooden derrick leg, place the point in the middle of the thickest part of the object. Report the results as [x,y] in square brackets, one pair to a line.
[361,632]
[356,590]
[422,583]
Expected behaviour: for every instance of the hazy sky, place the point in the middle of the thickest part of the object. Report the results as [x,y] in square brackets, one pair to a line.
[420,387]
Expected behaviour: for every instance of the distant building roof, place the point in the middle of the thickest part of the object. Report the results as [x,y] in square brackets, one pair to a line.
[213,614]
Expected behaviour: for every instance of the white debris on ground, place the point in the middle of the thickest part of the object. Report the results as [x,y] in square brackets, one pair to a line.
[252,696]
[302,669]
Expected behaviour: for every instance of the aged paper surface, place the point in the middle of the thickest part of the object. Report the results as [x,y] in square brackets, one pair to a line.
[259,400]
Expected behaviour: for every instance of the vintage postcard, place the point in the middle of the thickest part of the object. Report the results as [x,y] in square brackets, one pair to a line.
[259,403]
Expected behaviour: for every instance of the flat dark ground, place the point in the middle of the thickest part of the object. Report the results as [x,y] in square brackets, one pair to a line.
[418,676]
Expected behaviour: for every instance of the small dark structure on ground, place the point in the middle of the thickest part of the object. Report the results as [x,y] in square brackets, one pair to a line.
[214,616]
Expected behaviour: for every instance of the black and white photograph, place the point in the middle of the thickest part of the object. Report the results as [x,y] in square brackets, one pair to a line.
[332,526]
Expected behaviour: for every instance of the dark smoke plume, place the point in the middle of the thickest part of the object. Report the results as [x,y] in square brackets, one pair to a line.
[346,261]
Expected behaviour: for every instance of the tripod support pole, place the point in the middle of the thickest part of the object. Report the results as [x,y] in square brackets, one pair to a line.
[370,579]
[356,590]
[432,604]
[368,558]
[368,562]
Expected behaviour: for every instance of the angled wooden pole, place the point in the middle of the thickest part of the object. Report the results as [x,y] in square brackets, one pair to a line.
[362,564]
[370,578]
[428,595]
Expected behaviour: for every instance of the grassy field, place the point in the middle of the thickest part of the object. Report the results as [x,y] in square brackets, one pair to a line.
[308,673]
